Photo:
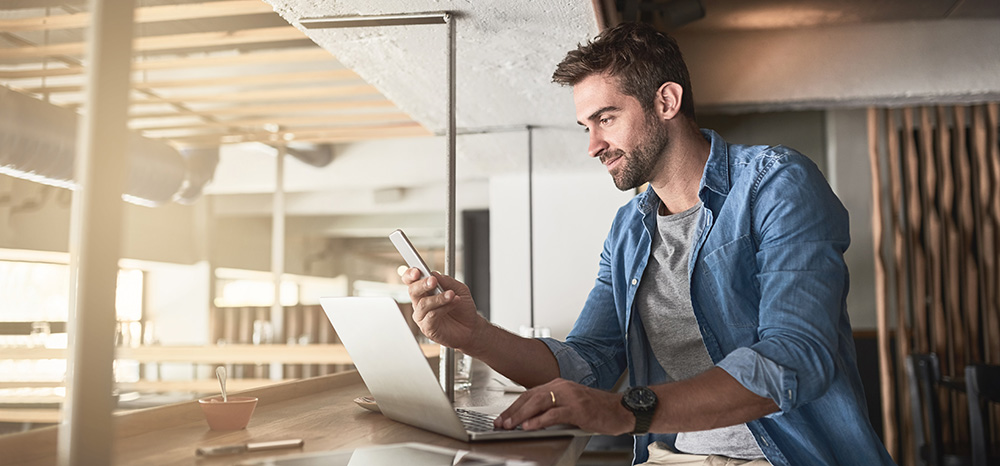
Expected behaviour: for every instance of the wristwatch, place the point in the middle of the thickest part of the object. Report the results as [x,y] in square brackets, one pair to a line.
[642,402]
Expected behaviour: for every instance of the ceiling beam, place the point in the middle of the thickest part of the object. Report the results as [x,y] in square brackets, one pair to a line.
[256,58]
[283,121]
[356,133]
[271,109]
[167,42]
[266,94]
[149,14]
[226,81]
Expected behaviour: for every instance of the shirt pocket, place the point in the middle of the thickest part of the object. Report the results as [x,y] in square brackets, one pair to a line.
[731,276]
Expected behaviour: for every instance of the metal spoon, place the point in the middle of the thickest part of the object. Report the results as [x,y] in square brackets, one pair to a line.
[220,372]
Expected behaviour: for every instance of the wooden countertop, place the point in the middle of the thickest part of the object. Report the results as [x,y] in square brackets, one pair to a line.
[319,410]
[232,354]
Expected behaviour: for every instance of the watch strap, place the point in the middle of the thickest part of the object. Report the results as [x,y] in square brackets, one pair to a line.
[643,419]
[643,414]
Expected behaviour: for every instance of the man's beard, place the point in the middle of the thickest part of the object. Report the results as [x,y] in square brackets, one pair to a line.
[637,166]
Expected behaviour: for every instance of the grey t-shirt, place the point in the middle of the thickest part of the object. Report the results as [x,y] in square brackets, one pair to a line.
[664,304]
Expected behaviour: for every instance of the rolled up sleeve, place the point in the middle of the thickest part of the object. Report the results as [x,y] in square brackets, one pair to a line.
[571,365]
[762,376]
[801,231]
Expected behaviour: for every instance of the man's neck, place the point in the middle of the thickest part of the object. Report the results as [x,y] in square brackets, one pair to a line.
[677,179]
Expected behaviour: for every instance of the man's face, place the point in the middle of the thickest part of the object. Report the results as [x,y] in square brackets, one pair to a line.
[629,141]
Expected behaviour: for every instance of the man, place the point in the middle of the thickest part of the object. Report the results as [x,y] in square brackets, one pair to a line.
[722,288]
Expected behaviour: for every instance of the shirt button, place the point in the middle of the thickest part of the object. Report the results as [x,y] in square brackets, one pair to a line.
[634,281]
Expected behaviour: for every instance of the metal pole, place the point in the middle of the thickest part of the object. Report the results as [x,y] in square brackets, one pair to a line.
[447,374]
[531,232]
[86,431]
[278,254]
[449,248]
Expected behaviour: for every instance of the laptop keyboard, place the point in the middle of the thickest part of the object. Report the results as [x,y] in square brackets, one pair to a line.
[475,421]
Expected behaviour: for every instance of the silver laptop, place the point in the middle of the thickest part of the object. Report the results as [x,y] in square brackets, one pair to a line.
[398,375]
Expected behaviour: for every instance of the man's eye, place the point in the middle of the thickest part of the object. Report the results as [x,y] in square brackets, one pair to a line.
[605,120]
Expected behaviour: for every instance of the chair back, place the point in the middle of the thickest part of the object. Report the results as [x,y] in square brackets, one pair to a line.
[982,384]
[924,373]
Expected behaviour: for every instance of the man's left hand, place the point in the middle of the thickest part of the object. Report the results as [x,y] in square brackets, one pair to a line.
[563,402]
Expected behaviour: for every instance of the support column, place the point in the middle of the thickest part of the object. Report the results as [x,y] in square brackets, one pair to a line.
[278,253]
[86,430]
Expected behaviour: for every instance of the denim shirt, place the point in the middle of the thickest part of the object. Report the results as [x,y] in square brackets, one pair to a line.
[768,287]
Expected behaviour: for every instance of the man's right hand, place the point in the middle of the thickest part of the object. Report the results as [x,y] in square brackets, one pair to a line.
[448,318]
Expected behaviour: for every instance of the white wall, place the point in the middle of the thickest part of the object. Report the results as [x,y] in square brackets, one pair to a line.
[177,302]
[572,216]
[849,173]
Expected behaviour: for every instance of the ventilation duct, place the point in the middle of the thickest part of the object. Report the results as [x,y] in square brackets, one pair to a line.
[317,156]
[38,143]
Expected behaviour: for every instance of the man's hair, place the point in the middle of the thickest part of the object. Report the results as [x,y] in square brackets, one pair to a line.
[639,56]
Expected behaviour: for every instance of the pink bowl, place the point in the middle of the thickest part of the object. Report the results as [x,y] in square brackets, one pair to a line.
[229,415]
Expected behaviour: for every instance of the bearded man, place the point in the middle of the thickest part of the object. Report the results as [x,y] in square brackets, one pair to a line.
[721,288]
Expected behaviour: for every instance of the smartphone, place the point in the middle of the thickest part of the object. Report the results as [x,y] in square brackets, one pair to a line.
[411,255]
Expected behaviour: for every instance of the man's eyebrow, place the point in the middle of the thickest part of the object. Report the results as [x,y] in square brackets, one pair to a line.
[597,114]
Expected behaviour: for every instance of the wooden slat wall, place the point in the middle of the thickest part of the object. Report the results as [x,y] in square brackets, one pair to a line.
[942,195]
[900,268]
[888,384]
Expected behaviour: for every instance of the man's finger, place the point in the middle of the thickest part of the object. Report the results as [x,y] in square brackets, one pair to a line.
[417,289]
[432,304]
[409,276]
[527,406]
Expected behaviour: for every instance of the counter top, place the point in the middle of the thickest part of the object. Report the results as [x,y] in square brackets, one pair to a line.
[333,353]
[319,410]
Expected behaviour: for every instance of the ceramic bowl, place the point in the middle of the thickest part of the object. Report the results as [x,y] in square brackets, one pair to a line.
[233,414]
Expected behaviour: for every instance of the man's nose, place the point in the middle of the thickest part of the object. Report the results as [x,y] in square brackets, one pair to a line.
[597,144]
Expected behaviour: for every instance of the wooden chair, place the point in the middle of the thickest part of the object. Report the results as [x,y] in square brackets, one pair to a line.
[924,374]
[982,384]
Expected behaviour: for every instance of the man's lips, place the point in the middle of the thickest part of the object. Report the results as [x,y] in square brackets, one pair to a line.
[609,158]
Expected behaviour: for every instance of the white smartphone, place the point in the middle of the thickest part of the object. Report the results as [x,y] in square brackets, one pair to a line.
[410,255]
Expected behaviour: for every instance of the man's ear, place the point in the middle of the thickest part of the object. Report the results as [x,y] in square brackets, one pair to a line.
[668,100]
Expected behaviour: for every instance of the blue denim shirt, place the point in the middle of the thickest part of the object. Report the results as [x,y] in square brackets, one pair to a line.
[769,288]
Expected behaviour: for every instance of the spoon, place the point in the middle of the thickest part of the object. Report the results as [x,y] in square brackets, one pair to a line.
[220,372]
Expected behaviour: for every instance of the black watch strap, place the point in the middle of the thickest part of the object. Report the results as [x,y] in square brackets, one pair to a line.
[642,422]
[641,401]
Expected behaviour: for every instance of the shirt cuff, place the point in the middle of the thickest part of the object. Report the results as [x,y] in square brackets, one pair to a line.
[571,366]
[762,376]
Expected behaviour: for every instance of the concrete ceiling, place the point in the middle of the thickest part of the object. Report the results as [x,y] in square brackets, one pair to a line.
[506,51]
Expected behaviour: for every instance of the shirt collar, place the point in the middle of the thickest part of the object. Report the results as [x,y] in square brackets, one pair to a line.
[715,178]
[716,175]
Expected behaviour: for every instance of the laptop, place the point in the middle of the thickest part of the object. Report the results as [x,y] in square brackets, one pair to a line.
[398,375]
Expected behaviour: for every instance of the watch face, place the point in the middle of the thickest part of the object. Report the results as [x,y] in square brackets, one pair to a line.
[641,397]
